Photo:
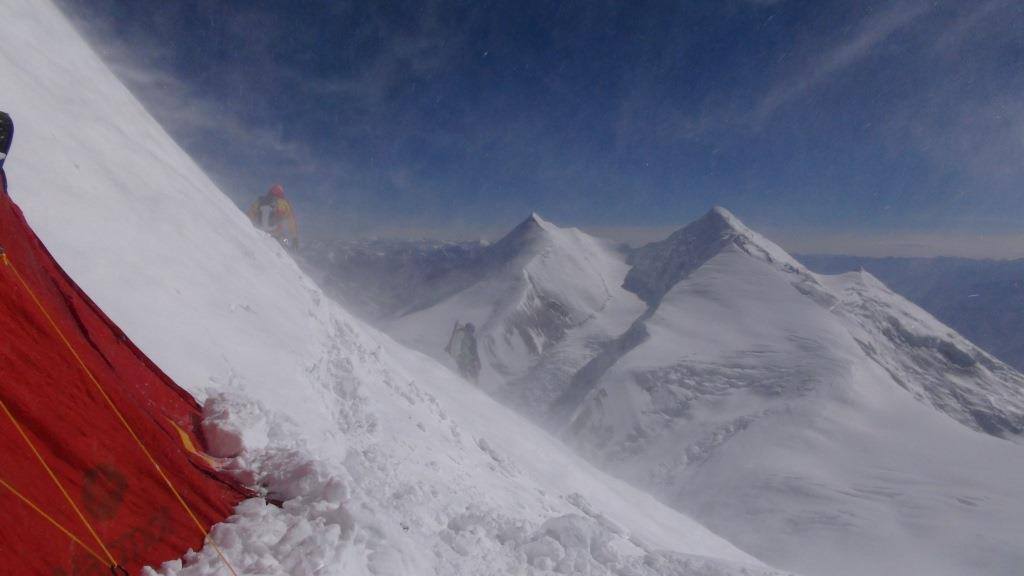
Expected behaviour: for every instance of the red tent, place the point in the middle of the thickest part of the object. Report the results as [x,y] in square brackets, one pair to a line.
[85,419]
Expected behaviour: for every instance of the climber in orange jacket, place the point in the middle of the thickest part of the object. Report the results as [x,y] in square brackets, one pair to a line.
[273,214]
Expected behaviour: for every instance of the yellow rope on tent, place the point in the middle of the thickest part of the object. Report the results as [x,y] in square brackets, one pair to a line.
[50,519]
[56,481]
[206,535]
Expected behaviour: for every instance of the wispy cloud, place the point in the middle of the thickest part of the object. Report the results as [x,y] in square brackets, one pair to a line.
[862,42]
[191,113]
[568,122]
[405,54]
[977,18]
[244,139]
[968,117]
[198,121]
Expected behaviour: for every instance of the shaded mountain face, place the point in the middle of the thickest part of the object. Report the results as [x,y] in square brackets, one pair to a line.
[822,422]
[981,299]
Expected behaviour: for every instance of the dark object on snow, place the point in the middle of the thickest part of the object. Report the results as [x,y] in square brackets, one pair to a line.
[6,136]
[462,347]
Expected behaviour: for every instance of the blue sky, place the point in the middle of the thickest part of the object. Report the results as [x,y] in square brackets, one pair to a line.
[820,122]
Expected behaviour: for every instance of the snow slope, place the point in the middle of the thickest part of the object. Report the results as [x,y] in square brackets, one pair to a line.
[386,464]
[981,299]
[823,423]
[544,300]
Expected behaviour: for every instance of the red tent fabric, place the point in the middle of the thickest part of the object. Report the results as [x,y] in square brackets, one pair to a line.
[63,415]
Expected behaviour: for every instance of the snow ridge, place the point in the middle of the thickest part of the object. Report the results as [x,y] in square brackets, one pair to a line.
[930,360]
[807,416]
[660,265]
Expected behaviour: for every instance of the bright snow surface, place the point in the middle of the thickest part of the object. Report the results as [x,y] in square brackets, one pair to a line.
[755,408]
[386,462]
[822,422]
[543,301]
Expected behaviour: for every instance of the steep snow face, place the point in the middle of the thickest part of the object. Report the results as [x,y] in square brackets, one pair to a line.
[983,300]
[545,300]
[385,463]
[823,423]
[658,266]
[930,360]
[133,219]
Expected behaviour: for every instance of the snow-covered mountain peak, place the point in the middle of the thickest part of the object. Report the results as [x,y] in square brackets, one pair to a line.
[862,278]
[539,221]
[660,265]
[530,237]
[823,422]
[820,409]
[541,291]
[718,222]
[533,223]
[726,218]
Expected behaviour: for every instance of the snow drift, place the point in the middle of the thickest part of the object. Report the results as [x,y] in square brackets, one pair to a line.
[383,462]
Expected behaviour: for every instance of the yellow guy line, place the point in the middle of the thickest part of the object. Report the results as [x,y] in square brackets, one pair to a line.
[99,387]
[59,485]
[50,519]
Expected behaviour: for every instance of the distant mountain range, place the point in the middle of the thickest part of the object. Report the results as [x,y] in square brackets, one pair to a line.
[380,277]
[981,299]
[822,422]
